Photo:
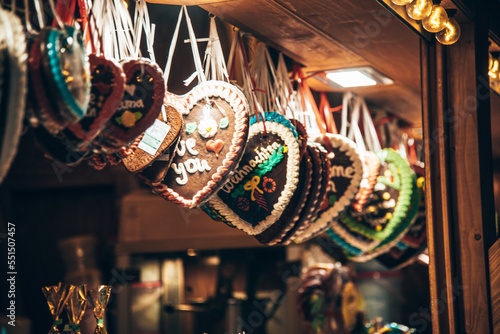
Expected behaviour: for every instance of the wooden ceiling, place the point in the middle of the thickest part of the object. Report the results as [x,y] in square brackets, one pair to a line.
[334,34]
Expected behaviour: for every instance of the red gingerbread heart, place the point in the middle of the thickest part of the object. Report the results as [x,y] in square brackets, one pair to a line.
[215,146]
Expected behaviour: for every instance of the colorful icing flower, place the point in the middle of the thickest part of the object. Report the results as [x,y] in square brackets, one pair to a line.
[207,128]
[269,184]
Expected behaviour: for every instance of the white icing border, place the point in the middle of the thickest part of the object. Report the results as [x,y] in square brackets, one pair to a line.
[330,215]
[292,179]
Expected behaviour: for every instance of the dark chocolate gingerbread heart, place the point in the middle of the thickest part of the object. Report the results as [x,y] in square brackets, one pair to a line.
[259,191]
[141,104]
[213,110]
[346,172]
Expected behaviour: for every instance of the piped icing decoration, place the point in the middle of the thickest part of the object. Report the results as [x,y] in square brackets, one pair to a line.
[346,172]
[215,146]
[257,194]
[224,123]
[206,104]
[207,128]
[191,127]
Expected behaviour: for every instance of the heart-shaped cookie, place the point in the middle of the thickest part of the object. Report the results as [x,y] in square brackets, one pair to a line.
[43,108]
[399,231]
[316,194]
[14,96]
[108,85]
[346,171]
[141,104]
[145,155]
[217,111]
[256,195]
[65,65]
[290,217]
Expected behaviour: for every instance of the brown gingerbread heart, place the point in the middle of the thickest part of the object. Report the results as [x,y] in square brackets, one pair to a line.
[215,146]
[213,110]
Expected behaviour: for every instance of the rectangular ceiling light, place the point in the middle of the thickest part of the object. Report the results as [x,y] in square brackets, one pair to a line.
[354,77]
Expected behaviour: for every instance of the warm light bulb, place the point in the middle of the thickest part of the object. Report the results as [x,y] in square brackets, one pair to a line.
[493,69]
[450,34]
[419,9]
[437,20]
[401,2]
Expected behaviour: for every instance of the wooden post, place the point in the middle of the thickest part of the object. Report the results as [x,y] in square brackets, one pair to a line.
[459,189]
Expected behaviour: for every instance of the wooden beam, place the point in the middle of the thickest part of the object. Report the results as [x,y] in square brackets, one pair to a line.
[494,259]
[459,190]
[442,273]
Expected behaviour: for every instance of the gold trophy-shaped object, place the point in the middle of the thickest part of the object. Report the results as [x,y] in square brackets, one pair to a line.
[99,298]
[57,297]
[75,307]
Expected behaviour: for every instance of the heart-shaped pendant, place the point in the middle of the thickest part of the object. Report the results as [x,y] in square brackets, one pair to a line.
[65,65]
[212,142]
[15,84]
[290,217]
[43,108]
[256,195]
[346,172]
[107,88]
[141,104]
[313,197]
[399,231]
[302,135]
[155,141]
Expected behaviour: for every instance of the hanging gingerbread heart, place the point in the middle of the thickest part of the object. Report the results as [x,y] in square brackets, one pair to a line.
[43,108]
[141,104]
[65,65]
[212,142]
[390,201]
[346,172]
[257,194]
[291,215]
[107,89]
[12,101]
[313,197]
[161,136]
[309,229]
[400,231]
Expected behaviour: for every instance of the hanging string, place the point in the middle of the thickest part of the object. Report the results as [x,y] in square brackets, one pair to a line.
[253,85]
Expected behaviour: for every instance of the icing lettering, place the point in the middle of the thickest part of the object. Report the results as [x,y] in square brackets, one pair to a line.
[195,165]
[262,155]
[190,144]
[181,148]
[128,104]
[192,165]
[180,170]
[339,171]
